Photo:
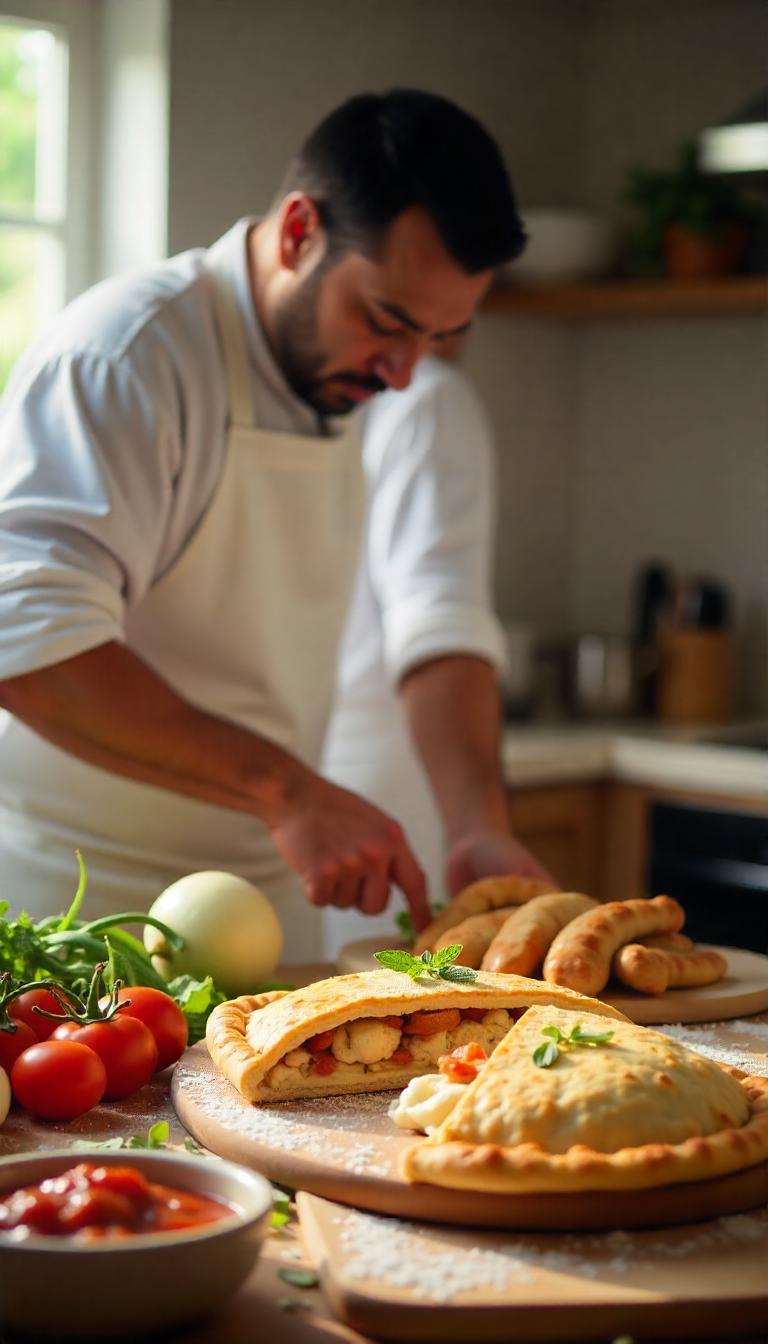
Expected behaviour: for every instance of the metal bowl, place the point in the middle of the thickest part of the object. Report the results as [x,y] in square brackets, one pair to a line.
[120,1286]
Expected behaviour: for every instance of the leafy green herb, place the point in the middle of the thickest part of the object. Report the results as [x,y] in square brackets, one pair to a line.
[436,965]
[298,1278]
[405,925]
[281,1208]
[157,1136]
[548,1052]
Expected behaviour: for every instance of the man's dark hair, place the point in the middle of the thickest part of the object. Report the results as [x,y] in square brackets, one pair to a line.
[379,154]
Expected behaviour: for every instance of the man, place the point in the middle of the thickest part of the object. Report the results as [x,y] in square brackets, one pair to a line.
[416,723]
[180,500]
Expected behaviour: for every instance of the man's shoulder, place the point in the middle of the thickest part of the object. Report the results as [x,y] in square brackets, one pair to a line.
[135,315]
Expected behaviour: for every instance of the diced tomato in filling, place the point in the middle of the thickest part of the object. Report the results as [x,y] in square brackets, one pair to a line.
[324,1063]
[427,1023]
[401,1056]
[473,1014]
[463,1063]
[392,1021]
[322,1041]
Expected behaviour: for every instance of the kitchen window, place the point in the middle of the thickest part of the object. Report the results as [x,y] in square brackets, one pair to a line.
[44,61]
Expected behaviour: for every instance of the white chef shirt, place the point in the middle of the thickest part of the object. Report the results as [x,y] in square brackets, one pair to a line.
[423,589]
[112,436]
[423,586]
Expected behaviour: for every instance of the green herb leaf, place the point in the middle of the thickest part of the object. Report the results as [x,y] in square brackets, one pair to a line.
[439,965]
[445,955]
[457,974]
[298,1278]
[579,1037]
[545,1054]
[191,1146]
[107,1145]
[404,923]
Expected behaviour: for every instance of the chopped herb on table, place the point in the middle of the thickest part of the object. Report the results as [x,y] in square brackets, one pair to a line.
[435,965]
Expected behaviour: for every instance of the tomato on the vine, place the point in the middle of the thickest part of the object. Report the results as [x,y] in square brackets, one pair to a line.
[125,1047]
[58,1080]
[161,1014]
[23,1008]
[14,1042]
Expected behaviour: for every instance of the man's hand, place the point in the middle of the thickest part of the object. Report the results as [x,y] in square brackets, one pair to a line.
[347,851]
[488,853]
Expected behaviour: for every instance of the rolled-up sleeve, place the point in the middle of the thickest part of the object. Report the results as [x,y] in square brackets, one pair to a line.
[430,534]
[83,496]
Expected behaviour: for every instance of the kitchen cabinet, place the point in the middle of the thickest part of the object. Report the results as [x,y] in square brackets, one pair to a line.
[739,295]
[562,826]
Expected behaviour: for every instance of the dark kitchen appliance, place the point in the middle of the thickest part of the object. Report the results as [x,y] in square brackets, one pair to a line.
[715,862]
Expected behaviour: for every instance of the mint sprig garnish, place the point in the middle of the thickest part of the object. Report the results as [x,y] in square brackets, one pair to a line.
[548,1052]
[435,965]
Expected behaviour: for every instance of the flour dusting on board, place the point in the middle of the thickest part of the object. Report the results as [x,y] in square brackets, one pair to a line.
[304,1127]
[435,1264]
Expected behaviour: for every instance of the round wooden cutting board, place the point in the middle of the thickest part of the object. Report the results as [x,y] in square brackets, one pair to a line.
[743,990]
[347,1149]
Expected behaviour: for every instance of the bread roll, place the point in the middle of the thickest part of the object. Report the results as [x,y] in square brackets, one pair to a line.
[652,970]
[476,933]
[581,954]
[490,893]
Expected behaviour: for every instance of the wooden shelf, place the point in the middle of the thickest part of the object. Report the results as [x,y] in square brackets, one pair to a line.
[634,298]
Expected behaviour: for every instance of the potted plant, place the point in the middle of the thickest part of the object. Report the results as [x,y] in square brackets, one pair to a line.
[689,223]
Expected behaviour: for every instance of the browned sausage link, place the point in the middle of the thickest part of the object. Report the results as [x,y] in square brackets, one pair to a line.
[475,935]
[527,932]
[581,954]
[490,893]
[652,970]
[669,942]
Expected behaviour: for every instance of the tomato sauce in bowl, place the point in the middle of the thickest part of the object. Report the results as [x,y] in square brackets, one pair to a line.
[90,1201]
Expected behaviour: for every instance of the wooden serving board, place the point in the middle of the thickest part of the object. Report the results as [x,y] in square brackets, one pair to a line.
[347,1149]
[411,1281]
[742,991]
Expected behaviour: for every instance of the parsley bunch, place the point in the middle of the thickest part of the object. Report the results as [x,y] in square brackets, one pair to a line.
[435,965]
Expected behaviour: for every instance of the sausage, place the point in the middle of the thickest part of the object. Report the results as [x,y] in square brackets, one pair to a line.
[527,932]
[476,933]
[580,956]
[490,893]
[668,942]
[652,970]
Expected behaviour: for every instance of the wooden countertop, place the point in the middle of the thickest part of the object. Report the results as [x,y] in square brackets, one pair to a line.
[262,1299]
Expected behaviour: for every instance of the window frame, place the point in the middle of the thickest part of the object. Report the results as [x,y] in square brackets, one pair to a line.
[75,19]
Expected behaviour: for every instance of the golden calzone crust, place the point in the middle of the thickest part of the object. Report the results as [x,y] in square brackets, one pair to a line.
[260,1042]
[641,1111]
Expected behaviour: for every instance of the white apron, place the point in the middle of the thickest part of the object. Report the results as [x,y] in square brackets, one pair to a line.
[245,625]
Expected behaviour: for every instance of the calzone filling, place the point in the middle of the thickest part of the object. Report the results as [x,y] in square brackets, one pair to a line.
[372,1045]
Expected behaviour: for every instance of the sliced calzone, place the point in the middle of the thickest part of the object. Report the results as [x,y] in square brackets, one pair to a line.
[637,1111]
[366,1032]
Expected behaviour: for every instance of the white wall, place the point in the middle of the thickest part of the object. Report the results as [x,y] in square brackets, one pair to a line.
[618,441]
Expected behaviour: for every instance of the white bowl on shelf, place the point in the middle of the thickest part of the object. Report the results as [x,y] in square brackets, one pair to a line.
[563,246]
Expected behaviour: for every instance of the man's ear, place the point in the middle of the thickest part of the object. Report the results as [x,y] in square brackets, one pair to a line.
[299,229]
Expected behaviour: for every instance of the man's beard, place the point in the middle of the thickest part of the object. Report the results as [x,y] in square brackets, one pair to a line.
[294,338]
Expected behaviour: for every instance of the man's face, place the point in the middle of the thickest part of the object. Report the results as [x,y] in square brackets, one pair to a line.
[348,330]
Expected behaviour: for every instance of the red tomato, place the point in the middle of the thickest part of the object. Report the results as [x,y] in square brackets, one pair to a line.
[12,1043]
[23,1010]
[161,1014]
[125,1047]
[58,1080]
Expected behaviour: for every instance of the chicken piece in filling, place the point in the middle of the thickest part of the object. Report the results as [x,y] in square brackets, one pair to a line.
[376,1044]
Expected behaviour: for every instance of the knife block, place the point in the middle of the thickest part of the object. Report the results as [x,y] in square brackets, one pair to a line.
[694,682]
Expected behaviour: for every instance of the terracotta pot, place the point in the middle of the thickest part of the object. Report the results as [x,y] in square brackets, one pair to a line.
[689,255]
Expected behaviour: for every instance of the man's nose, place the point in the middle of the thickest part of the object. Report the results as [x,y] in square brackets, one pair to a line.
[396,364]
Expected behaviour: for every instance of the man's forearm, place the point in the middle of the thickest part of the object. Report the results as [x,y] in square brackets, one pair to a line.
[453,709]
[110,708]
